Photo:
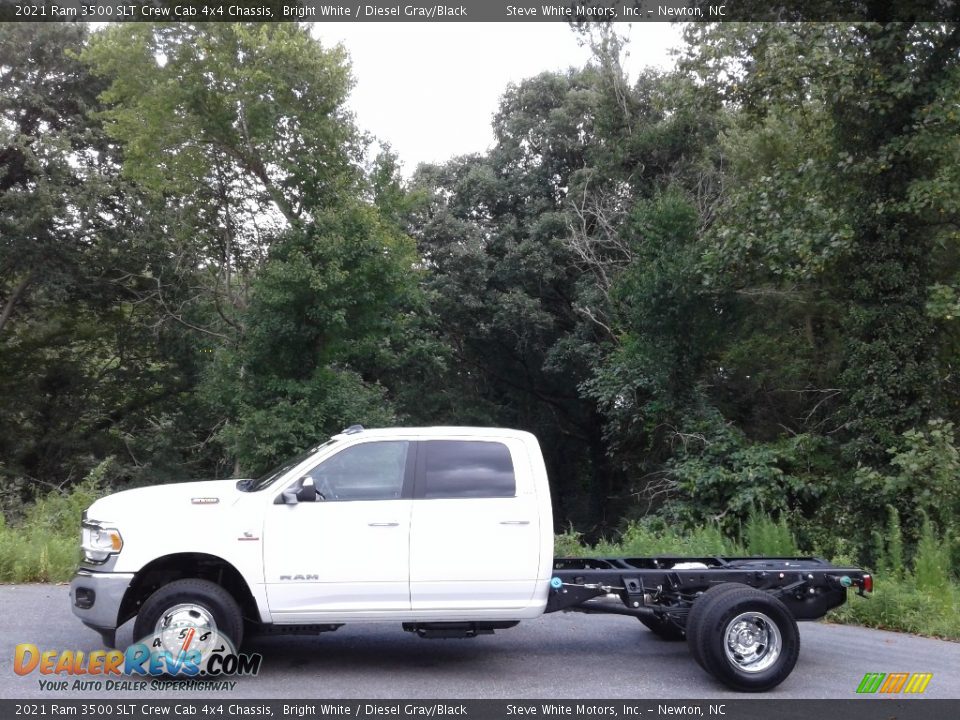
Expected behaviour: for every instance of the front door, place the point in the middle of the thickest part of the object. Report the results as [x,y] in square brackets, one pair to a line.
[345,546]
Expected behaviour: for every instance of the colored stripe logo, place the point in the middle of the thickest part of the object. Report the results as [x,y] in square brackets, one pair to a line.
[890,683]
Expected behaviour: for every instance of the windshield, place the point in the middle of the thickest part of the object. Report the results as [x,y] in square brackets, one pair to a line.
[264,480]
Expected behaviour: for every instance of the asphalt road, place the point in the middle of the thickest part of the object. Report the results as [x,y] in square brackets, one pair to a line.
[560,656]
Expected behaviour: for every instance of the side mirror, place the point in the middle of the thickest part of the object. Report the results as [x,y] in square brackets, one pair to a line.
[301,491]
[307,492]
[289,496]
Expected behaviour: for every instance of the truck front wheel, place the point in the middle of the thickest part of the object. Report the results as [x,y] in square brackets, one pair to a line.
[200,603]
[746,638]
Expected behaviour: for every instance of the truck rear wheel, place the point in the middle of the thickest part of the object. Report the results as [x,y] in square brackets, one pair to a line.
[201,603]
[744,637]
[696,615]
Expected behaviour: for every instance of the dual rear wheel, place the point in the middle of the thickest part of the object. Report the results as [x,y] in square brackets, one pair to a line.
[744,637]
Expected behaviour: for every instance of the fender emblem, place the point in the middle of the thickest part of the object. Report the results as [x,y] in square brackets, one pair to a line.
[299,577]
[204,501]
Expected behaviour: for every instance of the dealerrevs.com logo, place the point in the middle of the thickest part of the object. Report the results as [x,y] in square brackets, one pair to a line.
[196,655]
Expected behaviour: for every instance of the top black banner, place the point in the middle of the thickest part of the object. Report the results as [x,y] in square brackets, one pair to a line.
[585,11]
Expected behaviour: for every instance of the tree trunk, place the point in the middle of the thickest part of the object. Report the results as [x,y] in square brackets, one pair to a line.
[12,300]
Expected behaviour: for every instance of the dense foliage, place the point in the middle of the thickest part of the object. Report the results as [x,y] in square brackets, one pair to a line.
[726,290]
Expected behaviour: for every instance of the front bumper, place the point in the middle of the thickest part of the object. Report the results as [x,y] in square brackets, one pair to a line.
[95,598]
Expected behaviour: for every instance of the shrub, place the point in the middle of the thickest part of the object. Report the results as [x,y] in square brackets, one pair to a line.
[569,544]
[931,565]
[764,536]
[922,481]
[43,547]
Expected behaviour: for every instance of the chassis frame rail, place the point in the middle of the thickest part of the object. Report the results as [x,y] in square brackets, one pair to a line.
[667,586]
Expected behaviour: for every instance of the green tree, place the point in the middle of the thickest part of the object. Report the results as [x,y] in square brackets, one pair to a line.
[58,196]
[839,196]
[640,207]
[329,322]
[241,130]
[503,283]
[304,282]
[559,263]
[836,239]
[256,107]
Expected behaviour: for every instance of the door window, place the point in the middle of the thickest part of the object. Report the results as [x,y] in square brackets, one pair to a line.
[369,471]
[467,469]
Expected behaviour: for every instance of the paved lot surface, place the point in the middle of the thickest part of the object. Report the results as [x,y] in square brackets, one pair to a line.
[560,656]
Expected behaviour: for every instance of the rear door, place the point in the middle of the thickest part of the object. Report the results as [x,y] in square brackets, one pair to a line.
[475,532]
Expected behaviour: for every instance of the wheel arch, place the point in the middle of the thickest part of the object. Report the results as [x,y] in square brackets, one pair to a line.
[181,566]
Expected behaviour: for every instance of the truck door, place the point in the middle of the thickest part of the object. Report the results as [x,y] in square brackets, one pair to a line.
[475,528]
[348,548]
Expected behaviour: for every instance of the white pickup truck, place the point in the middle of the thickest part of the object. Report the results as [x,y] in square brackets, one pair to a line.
[448,530]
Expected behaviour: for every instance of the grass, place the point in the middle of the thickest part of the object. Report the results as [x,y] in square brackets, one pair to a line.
[920,597]
[902,605]
[642,539]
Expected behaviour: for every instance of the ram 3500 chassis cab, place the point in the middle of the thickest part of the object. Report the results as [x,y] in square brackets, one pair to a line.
[448,530]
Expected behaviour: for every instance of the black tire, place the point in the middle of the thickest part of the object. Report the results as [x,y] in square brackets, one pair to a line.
[746,638]
[217,601]
[696,615]
[663,628]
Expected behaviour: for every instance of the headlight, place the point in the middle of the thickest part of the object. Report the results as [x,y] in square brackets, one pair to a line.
[99,542]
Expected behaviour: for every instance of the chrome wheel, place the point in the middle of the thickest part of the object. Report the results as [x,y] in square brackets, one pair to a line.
[186,615]
[752,642]
[184,626]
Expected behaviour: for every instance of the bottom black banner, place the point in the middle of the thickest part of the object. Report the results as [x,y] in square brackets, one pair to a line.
[737,709]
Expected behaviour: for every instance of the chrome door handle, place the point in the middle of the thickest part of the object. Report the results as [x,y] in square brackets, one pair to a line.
[383,524]
[514,522]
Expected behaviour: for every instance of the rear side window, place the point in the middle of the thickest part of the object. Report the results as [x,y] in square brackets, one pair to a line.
[467,469]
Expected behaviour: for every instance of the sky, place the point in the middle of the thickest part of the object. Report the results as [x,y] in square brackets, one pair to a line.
[430,90]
